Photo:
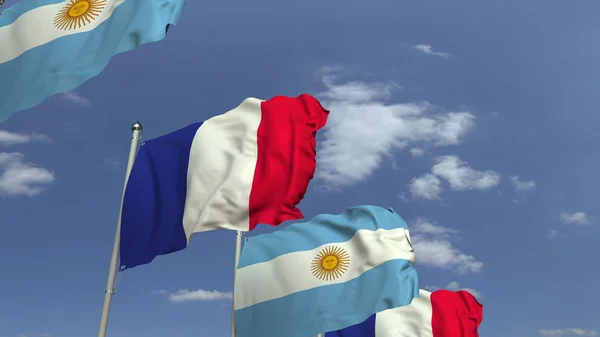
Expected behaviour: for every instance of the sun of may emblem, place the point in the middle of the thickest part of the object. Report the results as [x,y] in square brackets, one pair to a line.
[78,13]
[331,263]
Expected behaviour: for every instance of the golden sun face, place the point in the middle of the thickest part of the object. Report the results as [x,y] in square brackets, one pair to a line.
[331,263]
[78,13]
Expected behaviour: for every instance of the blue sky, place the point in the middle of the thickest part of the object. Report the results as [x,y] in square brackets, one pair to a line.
[505,89]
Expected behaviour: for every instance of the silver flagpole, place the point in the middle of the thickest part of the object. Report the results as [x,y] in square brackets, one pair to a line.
[136,129]
[238,252]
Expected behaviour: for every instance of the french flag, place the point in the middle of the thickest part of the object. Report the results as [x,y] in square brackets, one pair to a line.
[247,166]
[442,313]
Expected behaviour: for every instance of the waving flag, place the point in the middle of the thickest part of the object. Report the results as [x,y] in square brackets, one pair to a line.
[50,46]
[442,313]
[324,275]
[248,166]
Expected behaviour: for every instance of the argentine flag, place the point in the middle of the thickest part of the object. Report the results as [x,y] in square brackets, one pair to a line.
[51,46]
[324,275]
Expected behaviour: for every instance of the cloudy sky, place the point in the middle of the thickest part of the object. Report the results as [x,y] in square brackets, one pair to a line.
[476,121]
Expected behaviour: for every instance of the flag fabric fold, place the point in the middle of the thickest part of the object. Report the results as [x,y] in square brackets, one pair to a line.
[247,166]
[323,275]
[52,46]
[442,313]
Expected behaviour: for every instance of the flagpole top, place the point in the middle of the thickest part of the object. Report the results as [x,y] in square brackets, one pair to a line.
[137,126]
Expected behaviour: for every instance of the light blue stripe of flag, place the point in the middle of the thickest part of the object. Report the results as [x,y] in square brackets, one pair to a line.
[322,229]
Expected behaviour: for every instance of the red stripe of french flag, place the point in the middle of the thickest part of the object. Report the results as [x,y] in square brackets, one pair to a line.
[455,313]
[286,161]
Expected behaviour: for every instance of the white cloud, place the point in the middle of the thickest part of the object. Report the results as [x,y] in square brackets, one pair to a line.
[363,129]
[21,178]
[427,49]
[159,292]
[424,227]
[431,288]
[12,138]
[426,186]
[461,176]
[522,186]
[441,254]
[569,331]
[356,91]
[578,218]
[455,286]
[184,295]
[433,247]
[112,163]
[74,97]
[417,152]
[554,234]
[41,334]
